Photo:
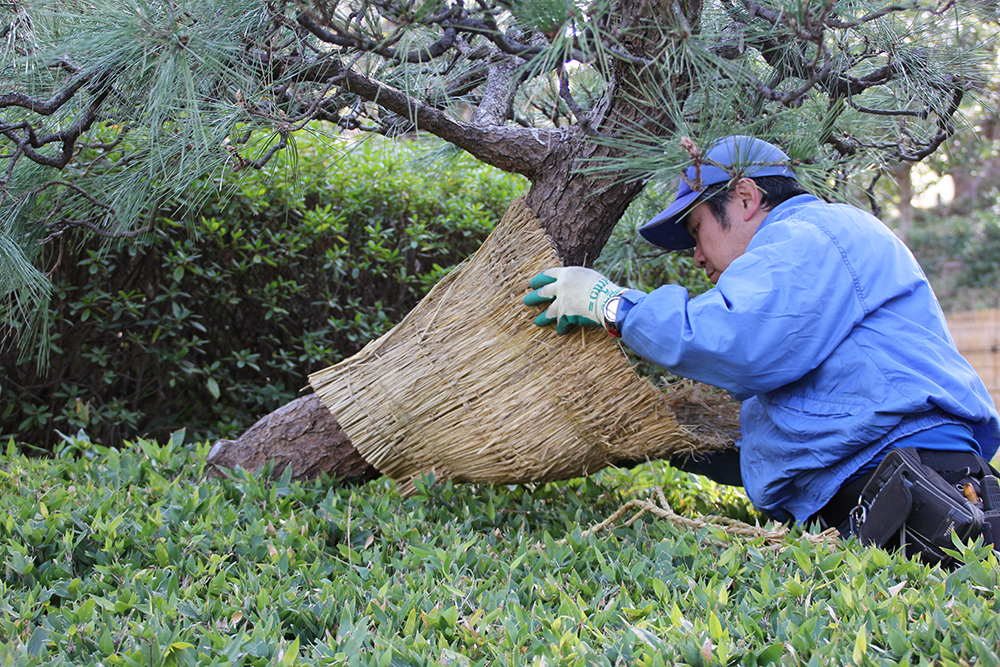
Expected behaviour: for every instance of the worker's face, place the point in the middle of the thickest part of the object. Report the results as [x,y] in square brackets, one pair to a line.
[717,247]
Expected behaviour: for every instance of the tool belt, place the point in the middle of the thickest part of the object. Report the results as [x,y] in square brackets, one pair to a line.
[915,501]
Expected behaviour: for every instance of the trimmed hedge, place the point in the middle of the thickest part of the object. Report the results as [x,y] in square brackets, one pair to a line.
[243,290]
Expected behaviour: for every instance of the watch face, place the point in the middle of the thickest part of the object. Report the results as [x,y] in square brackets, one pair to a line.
[610,316]
[611,310]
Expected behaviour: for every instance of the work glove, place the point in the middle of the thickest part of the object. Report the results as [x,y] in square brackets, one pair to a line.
[577,297]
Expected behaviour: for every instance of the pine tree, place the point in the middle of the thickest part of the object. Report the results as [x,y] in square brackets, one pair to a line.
[111,109]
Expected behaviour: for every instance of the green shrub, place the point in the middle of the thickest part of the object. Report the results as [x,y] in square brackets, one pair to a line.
[131,557]
[961,256]
[219,316]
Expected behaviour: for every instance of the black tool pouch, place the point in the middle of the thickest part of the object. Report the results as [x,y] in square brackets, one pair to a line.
[908,505]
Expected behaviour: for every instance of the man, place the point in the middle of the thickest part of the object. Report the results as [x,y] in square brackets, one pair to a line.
[821,322]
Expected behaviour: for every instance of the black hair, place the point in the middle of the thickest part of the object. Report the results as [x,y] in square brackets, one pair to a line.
[773,191]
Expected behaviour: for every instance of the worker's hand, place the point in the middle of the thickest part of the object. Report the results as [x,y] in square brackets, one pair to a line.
[576,296]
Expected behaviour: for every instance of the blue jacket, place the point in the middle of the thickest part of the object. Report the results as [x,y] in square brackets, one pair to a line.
[828,331]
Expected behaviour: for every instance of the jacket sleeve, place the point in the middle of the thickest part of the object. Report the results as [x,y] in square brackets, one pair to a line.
[776,313]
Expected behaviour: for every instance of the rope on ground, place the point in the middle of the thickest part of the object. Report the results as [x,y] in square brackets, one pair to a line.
[774,538]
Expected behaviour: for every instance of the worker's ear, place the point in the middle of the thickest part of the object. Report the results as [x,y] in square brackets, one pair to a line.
[747,195]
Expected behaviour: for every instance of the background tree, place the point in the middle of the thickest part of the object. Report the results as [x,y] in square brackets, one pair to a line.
[969,158]
[112,108]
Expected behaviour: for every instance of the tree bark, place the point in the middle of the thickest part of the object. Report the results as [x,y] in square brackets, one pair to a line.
[302,434]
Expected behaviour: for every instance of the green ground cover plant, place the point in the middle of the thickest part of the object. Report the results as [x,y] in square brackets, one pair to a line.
[129,556]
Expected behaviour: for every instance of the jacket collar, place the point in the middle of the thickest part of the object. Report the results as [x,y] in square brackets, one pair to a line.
[786,209]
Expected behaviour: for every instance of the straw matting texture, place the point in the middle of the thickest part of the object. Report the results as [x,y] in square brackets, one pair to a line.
[467,388]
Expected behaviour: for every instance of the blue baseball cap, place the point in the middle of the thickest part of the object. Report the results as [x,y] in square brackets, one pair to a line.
[742,157]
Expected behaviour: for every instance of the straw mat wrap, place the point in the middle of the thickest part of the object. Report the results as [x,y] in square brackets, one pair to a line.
[466,387]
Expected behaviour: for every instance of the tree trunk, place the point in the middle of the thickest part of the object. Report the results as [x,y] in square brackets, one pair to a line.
[975,177]
[903,174]
[578,211]
[302,434]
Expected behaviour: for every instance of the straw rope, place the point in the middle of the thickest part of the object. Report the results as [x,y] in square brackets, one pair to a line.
[773,538]
[467,388]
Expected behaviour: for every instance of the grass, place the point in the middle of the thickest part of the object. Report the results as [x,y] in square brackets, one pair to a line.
[132,557]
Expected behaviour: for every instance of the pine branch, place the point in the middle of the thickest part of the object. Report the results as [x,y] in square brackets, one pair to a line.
[30,140]
[578,112]
[422,55]
[512,149]
[51,105]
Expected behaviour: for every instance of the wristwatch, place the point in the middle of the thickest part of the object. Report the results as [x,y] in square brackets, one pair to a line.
[611,315]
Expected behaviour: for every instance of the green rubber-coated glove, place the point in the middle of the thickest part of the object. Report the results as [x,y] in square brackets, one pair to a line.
[575,296]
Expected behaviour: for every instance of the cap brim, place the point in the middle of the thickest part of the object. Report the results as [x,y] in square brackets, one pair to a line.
[667,229]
